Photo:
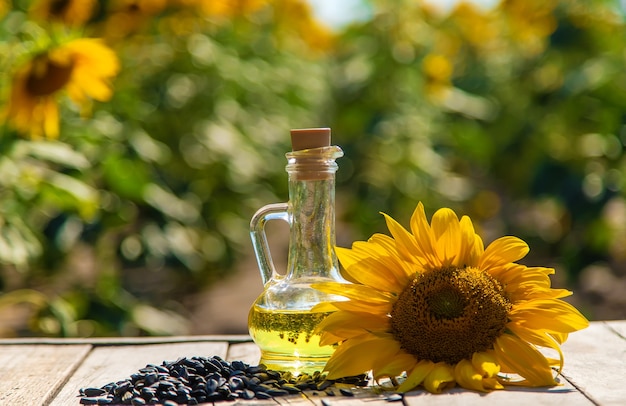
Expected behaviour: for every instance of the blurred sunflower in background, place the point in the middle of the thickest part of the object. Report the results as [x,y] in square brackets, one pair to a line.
[227,8]
[68,12]
[4,8]
[83,68]
[435,304]
[127,17]
[438,72]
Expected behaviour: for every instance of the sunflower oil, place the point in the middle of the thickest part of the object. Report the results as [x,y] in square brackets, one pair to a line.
[280,320]
[288,340]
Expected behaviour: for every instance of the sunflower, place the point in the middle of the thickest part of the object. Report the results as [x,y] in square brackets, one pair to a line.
[69,12]
[82,67]
[4,8]
[229,8]
[433,306]
[127,17]
[437,70]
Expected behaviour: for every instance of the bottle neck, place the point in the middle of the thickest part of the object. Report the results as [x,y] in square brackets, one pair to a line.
[312,231]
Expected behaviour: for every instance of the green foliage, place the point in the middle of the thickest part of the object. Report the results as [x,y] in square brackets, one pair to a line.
[513,116]
[525,135]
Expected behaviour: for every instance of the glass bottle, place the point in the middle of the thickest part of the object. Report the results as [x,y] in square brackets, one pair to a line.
[280,321]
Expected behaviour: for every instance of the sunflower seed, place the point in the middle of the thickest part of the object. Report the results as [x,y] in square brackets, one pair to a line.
[324,384]
[291,388]
[93,392]
[137,402]
[247,394]
[394,397]
[263,395]
[346,392]
[198,380]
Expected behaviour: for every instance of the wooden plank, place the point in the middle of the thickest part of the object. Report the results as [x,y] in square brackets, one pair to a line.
[31,375]
[114,363]
[595,362]
[308,398]
[565,395]
[232,338]
[246,352]
[618,326]
[361,397]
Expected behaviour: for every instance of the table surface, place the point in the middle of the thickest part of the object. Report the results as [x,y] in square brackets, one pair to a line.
[51,371]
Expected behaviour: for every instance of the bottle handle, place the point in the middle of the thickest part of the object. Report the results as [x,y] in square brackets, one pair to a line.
[275,211]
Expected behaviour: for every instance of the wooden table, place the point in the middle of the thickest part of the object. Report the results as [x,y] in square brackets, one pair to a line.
[51,371]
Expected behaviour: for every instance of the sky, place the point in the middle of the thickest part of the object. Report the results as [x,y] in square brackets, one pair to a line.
[338,13]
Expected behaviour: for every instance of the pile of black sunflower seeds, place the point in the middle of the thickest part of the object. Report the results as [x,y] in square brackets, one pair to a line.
[196,380]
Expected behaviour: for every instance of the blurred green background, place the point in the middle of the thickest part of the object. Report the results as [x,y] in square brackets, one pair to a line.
[513,114]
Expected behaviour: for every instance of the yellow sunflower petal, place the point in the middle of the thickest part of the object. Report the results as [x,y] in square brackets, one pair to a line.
[348,325]
[324,307]
[96,89]
[471,245]
[354,291]
[527,293]
[447,230]
[537,338]
[50,118]
[349,357]
[492,383]
[506,272]
[516,274]
[486,364]
[559,337]
[424,237]
[401,362]
[403,239]
[416,376]
[405,269]
[359,306]
[466,375]
[554,316]
[523,359]
[440,378]
[371,266]
[328,338]
[502,251]
[444,220]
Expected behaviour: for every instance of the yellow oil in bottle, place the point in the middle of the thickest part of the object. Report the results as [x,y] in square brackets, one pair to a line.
[288,341]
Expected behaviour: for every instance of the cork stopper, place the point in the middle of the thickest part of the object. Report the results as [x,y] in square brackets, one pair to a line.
[307,138]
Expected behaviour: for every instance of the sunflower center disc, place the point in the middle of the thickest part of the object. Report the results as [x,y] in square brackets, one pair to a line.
[47,76]
[449,314]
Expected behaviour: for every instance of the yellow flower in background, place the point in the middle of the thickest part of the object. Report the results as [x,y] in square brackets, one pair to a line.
[69,12]
[435,304]
[229,8]
[476,26]
[295,21]
[4,8]
[82,68]
[125,17]
[437,70]
[530,22]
